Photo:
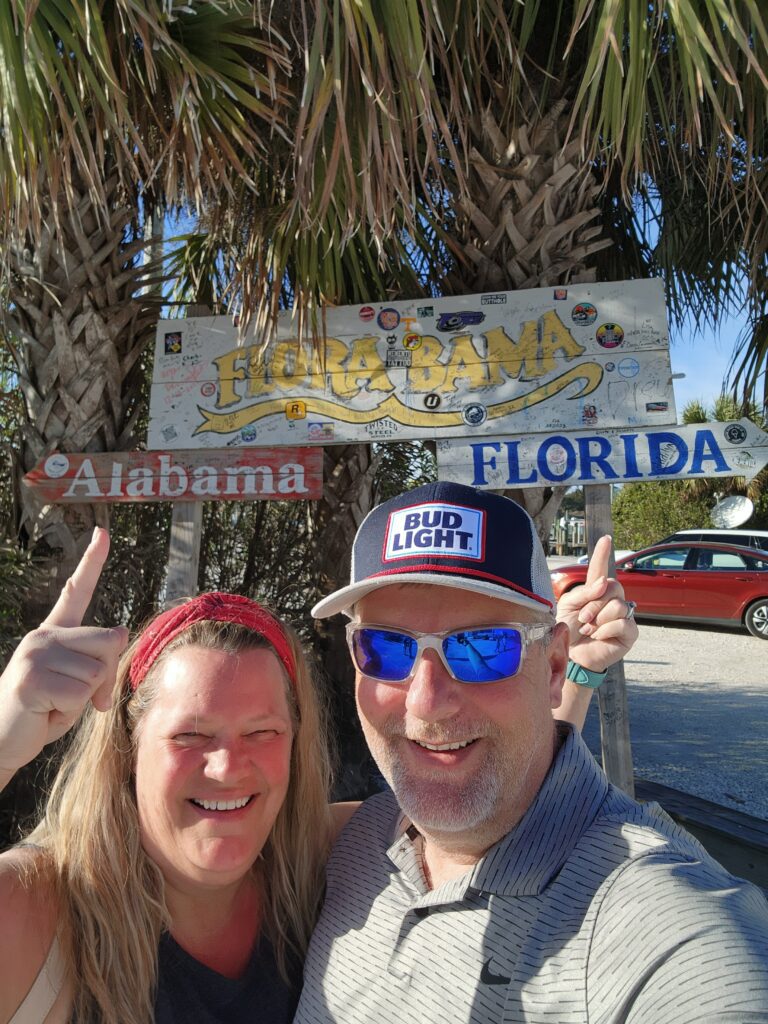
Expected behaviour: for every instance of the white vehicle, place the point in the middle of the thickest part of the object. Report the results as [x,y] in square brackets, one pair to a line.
[621,553]
[745,538]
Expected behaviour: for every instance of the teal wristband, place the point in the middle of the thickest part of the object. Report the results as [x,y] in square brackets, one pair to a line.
[583,677]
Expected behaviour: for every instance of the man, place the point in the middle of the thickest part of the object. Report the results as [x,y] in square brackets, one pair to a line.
[504,879]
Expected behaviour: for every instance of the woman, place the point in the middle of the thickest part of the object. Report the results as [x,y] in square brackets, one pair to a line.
[176,871]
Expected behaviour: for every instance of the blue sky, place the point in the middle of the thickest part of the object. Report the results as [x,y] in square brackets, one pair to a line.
[704,358]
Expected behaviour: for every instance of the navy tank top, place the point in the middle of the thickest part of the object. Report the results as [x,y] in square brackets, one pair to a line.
[188,992]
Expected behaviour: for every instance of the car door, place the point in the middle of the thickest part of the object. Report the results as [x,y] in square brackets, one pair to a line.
[657,581]
[720,583]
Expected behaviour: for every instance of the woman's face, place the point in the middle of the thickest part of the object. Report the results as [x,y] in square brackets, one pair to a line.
[212,763]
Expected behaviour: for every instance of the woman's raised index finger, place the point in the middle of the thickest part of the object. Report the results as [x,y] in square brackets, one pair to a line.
[76,595]
[600,560]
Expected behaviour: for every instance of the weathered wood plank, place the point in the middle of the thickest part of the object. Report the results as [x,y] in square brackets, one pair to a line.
[229,474]
[612,695]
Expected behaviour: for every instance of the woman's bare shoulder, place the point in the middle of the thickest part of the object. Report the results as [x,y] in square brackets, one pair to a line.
[27,925]
[340,815]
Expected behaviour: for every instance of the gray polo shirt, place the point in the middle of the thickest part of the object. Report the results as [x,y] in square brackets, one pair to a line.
[593,909]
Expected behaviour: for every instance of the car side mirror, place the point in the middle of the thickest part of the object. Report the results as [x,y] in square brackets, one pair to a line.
[628,565]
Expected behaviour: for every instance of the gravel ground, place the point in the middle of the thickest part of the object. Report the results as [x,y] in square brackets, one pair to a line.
[698,713]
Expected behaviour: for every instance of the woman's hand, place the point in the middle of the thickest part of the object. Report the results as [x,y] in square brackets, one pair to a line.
[58,668]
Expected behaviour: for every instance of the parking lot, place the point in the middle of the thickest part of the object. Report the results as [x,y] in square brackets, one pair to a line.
[698,711]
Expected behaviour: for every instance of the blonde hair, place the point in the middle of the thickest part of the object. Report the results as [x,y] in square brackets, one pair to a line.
[110,895]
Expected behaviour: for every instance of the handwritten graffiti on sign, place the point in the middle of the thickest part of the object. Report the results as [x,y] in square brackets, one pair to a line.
[256,474]
[612,456]
[473,365]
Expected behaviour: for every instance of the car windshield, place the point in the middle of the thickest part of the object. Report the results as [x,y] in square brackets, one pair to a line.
[673,558]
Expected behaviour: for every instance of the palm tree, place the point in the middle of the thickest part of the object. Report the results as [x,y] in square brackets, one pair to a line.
[515,145]
[109,112]
[338,146]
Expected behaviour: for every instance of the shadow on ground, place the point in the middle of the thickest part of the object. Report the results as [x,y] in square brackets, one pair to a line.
[701,740]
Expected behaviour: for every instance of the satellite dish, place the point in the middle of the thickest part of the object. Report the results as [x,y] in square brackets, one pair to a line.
[732,512]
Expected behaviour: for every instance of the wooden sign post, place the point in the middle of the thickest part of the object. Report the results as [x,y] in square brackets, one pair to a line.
[612,695]
[184,551]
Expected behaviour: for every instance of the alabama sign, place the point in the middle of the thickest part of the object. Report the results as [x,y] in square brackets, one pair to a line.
[548,359]
[284,474]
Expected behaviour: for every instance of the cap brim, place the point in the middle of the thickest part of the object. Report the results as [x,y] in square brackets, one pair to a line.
[343,600]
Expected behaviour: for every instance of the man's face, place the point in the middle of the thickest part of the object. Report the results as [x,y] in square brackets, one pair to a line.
[483,787]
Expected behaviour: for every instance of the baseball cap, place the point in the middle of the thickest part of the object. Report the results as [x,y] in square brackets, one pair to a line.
[449,535]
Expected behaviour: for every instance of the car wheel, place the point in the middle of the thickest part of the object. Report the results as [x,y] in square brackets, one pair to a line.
[756,618]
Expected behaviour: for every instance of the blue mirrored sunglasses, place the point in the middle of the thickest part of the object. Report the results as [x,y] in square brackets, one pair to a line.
[484,654]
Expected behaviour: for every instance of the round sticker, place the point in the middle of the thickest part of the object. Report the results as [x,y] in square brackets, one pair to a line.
[610,335]
[56,465]
[432,401]
[629,367]
[735,433]
[557,457]
[412,341]
[584,313]
[248,433]
[367,313]
[388,319]
[474,414]
[208,389]
[610,367]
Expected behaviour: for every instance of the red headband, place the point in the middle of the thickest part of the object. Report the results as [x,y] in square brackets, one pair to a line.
[215,607]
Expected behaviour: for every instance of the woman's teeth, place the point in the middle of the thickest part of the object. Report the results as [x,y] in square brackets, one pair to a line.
[222,805]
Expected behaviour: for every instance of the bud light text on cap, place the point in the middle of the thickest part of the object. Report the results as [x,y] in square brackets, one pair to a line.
[437,529]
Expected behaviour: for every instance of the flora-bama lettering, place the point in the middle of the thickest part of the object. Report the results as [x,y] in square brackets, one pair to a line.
[435,365]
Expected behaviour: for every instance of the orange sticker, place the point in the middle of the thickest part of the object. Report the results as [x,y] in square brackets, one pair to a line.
[296,410]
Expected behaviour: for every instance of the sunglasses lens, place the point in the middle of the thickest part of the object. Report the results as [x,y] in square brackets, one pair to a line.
[384,654]
[483,655]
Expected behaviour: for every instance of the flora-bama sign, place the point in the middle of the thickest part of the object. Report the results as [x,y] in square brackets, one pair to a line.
[547,359]
[607,456]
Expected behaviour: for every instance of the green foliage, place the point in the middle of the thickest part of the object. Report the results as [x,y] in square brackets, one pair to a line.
[573,500]
[18,572]
[644,513]
[18,577]
[262,549]
[403,465]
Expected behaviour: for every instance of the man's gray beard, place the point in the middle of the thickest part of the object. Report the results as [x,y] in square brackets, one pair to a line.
[435,801]
[435,805]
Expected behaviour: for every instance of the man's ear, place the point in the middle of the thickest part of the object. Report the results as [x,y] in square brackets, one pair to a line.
[557,655]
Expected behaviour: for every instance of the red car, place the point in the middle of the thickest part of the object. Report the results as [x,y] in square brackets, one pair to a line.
[718,583]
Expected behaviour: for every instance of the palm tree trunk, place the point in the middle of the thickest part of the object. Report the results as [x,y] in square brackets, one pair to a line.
[76,326]
[532,221]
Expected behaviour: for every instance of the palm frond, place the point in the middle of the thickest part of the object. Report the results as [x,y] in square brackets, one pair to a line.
[173,96]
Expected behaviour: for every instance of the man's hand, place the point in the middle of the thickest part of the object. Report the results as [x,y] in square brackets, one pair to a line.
[59,667]
[596,615]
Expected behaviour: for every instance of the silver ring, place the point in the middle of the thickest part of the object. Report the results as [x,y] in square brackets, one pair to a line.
[631,605]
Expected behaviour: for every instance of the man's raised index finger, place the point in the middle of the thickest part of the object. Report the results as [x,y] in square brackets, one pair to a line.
[76,595]
[600,561]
